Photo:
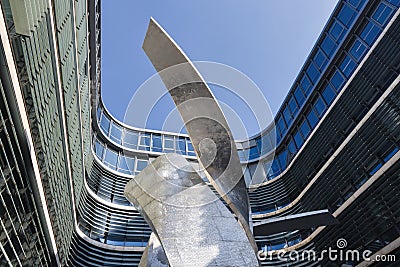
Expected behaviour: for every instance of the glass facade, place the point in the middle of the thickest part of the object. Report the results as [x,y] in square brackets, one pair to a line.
[336,135]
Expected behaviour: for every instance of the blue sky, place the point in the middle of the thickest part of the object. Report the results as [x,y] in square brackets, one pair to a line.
[266,40]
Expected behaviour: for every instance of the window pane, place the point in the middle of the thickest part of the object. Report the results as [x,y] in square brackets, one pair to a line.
[328,45]
[347,66]
[358,50]
[126,163]
[298,139]
[298,93]
[394,2]
[320,60]
[141,164]
[282,159]
[346,15]
[320,107]
[157,143]
[111,158]
[312,118]
[337,31]
[356,3]
[328,94]
[131,139]
[169,143]
[306,85]
[292,147]
[116,133]
[253,153]
[287,115]
[312,72]
[99,149]
[281,126]
[370,33]
[337,80]
[105,124]
[293,106]
[181,145]
[382,14]
[305,129]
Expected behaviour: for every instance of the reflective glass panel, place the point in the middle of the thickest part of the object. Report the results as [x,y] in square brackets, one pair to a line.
[157,142]
[141,164]
[130,139]
[312,72]
[293,106]
[299,95]
[358,50]
[116,133]
[337,80]
[312,118]
[370,33]
[382,14]
[306,85]
[328,46]
[347,66]
[328,94]
[287,115]
[298,139]
[105,124]
[337,31]
[320,106]
[111,158]
[305,129]
[346,15]
[320,60]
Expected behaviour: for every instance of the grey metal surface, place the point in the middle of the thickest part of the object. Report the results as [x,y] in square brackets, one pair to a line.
[153,255]
[305,220]
[168,193]
[204,120]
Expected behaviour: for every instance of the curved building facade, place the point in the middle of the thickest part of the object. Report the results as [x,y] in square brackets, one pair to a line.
[65,160]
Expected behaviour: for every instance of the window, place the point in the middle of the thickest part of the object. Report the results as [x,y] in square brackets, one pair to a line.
[346,15]
[292,147]
[111,158]
[312,118]
[382,14]
[180,145]
[312,73]
[328,94]
[99,149]
[298,139]
[241,155]
[304,128]
[253,153]
[274,171]
[299,95]
[141,164]
[282,159]
[320,106]
[169,143]
[281,126]
[144,141]
[370,33]
[287,115]
[126,164]
[105,124]
[157,142]
[394,2]
[328,46]
[337,80]
[358,50]
[130,139]
[356,3]
[347,66]
[320,60]
[293,106]
[266,145]
[190,148]
[116,133]
[306,85]
[337,31]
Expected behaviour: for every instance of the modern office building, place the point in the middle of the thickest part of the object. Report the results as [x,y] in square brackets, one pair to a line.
[65,160]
